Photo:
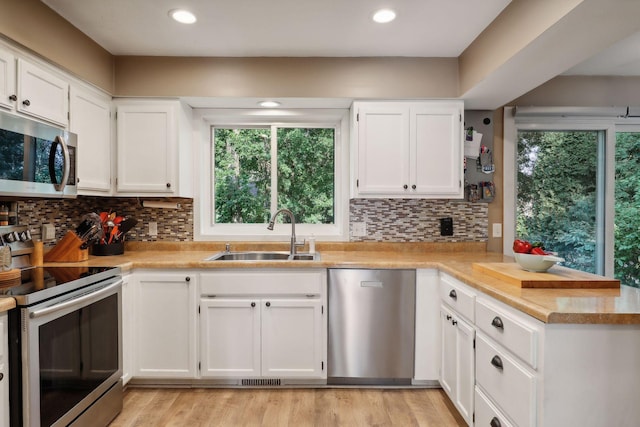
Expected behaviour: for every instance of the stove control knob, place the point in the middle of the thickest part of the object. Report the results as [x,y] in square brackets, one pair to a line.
[9,238]
[16,236]
[25,236]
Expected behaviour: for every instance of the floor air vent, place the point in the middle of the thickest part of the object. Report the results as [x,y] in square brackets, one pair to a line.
[262,382]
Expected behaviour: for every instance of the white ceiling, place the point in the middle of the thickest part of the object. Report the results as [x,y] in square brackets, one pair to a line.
[304,28]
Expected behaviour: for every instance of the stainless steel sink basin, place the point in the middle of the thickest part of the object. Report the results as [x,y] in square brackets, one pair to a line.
[262,256]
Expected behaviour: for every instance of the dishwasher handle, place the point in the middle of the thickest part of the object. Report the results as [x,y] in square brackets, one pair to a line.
[371,284]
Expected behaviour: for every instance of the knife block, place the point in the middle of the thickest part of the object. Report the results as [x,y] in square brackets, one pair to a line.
[67,250]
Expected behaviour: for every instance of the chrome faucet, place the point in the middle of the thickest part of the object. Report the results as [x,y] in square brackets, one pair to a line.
[292,218]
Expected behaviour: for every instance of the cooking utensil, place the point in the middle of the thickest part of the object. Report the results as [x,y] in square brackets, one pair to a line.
[126,226]
[112,234]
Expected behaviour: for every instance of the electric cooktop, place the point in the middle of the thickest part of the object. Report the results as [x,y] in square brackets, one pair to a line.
[38,284]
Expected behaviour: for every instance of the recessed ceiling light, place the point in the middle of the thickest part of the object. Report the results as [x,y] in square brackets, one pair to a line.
[182,16]
[384,15]
[269,104]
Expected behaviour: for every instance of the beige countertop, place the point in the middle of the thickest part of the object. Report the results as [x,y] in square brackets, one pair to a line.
[7,304]
[585,306]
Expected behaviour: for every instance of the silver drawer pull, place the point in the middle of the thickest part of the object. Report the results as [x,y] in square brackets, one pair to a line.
[497,362]
[497,323]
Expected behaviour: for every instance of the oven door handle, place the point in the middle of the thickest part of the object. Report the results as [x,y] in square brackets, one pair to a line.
[76,301]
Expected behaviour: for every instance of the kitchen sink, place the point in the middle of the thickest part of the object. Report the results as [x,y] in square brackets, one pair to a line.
[262,256]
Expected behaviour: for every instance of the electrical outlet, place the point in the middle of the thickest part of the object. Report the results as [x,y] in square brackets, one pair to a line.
[446,226]
[497,230]
[153,229]
[359,229]
[48,232]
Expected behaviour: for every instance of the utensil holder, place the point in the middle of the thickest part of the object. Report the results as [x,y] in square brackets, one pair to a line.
[107,250]
[67,250]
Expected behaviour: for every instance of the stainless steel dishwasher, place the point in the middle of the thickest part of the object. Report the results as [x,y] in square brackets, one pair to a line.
[371,326]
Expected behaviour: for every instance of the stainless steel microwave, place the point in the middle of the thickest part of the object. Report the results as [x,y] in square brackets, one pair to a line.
[36,159]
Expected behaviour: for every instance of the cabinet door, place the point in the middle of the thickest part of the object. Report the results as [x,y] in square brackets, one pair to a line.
[292,338]
[457,369]
[465,368]
[230,338]
[436,151]
[4,371]
[147,148]
[448,357]
[165,320]
[41,94]
[383,150]
[7,79]
[127,328]
[90,119]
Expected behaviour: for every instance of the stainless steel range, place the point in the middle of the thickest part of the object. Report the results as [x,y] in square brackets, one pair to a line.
[65,347]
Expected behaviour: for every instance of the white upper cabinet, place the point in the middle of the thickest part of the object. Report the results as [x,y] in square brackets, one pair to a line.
[32,89]
[8,95]
[383,149]
[408,149]
[153,148]
[90,119]
[41,94]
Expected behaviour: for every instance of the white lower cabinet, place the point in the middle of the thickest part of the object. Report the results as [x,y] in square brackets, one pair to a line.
[4,370]
[506,381]
[292,338]
[127,328]
[457,371]
[230,337]
[427,336]
[165,319]
[263,324]
[487,414]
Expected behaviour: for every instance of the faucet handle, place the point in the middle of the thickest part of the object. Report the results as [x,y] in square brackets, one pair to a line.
[300,244]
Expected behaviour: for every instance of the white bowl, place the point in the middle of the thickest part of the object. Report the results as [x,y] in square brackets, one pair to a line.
[537,263]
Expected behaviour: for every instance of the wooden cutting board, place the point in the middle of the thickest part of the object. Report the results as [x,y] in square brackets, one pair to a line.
[555,277]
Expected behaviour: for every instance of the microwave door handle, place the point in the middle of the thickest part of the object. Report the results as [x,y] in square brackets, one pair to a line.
[66,163]
[76,301]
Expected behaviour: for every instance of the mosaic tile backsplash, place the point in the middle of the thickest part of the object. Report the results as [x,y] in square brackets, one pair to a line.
[418,220]
[388,220]
[66,214]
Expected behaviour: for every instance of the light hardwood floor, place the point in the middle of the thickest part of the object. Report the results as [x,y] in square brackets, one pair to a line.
[286,407]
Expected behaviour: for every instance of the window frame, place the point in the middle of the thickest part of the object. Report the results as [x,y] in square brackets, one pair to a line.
[204,227]
[605,203]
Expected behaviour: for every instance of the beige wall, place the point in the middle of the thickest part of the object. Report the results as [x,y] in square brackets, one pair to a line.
[287,77]
[494,244]
[517,26]
[584,91]
[40,29]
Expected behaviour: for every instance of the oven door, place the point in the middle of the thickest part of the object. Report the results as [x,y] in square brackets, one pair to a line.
[71,353]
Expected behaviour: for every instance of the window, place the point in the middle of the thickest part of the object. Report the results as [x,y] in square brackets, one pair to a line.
[557,193]
[576,187]
[252,164]
[627,208]
[246,190]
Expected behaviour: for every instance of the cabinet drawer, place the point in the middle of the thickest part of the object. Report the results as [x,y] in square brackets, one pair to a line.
[507,330]
[260,282]
[487,415]
[511,386]
[457,295]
